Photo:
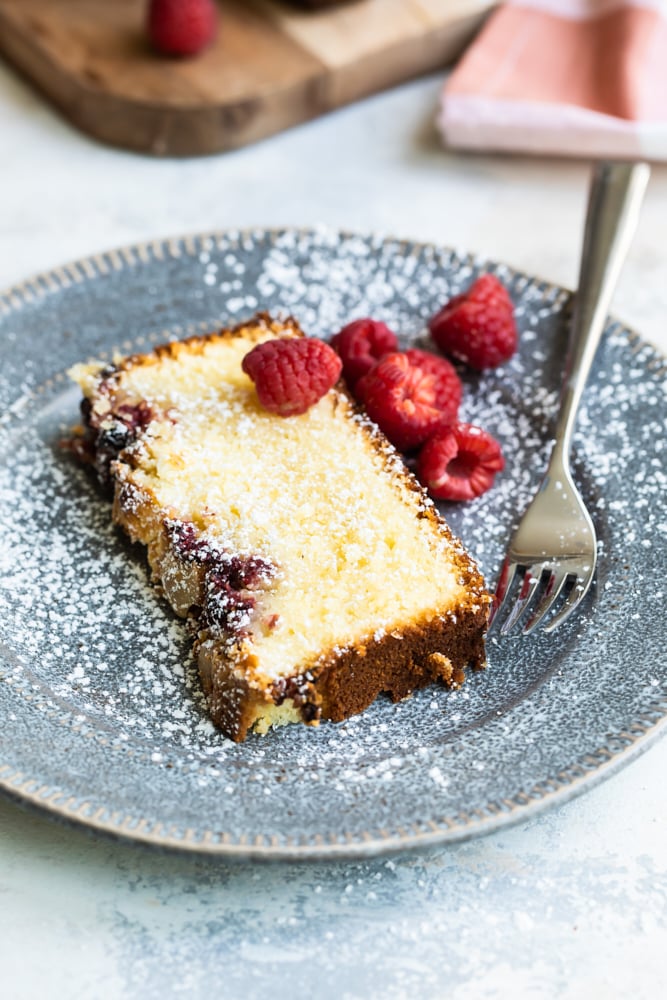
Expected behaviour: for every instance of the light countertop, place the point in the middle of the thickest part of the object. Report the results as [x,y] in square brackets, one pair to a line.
[572,904]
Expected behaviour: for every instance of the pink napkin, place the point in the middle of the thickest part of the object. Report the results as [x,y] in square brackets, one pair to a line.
[573,77]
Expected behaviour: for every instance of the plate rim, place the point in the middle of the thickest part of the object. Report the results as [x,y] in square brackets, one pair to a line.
[575,779]
[583,775]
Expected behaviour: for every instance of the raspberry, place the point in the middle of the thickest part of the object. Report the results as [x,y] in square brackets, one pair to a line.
[181,27]
[459,463]
[291,375]
[478,326]
[400,398]
[448,388]
[360,344]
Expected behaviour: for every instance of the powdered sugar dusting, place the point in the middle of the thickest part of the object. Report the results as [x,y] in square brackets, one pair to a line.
[94,663]
[89,622]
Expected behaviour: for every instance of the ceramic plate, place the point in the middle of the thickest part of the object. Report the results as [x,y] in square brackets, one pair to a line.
[103,719]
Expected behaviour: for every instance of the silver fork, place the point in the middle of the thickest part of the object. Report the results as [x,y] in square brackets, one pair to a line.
[554,549]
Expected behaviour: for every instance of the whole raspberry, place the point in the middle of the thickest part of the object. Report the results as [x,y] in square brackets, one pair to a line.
[291,375]
[400,398]
[478,326]
[459,463]
[448,388]
[361,344]
[181,27]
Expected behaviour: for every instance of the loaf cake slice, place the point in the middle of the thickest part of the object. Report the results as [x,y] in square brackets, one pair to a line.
[312,567]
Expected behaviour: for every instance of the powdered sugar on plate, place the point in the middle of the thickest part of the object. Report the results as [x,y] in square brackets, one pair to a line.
[93,663]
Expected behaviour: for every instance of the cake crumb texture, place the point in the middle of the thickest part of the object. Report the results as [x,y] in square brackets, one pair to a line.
[312,568]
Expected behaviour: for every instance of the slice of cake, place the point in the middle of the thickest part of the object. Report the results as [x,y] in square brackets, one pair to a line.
[313,568]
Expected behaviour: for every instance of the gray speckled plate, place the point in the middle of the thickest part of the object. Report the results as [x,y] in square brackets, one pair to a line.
[103,720]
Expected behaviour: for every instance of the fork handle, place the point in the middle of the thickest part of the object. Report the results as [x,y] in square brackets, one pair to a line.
[614,201]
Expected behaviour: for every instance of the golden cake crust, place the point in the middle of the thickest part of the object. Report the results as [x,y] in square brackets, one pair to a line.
[339,681]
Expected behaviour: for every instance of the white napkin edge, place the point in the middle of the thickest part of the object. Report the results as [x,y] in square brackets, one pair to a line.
[485,123]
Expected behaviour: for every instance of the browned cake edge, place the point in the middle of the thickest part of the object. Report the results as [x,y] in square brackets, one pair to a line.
[347,682]
[342,682]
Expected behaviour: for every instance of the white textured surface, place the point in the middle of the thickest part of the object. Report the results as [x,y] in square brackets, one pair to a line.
[571,905]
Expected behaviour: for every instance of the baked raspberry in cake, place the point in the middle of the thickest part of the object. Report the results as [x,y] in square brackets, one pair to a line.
[312,567]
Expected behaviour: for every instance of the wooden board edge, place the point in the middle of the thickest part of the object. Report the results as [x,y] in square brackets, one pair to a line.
[173,131]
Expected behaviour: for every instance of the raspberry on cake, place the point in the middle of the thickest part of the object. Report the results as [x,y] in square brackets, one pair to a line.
[311,565]
[291,375]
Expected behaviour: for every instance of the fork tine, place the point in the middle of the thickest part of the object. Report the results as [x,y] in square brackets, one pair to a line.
[572,601]
[503,587]
[553,588]
[531,579]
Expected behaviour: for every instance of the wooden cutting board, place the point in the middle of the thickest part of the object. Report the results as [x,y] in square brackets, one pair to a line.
[271,67]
